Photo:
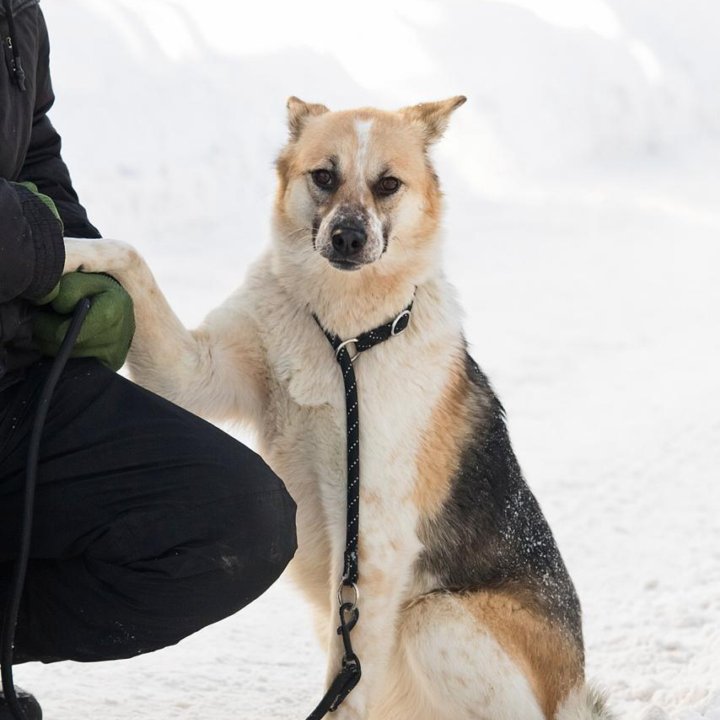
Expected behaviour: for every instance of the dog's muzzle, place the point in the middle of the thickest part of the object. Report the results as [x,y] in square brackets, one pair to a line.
[348,240]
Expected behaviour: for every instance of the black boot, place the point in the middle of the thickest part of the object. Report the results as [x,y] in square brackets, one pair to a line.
[27,702]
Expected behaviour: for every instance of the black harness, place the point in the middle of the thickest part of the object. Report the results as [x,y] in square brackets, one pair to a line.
[350,671]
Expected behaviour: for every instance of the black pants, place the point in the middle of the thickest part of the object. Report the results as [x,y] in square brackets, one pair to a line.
[149,523]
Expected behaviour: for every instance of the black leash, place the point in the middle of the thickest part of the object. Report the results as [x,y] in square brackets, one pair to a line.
[350,672]
[7,643]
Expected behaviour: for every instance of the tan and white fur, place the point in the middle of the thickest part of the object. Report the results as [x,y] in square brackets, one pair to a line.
[458,635]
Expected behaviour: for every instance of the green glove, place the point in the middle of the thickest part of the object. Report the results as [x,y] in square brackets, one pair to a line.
[32,187]
[44,231]
[47,299]
[109,325]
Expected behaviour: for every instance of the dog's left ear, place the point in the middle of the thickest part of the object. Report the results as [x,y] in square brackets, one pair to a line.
[433,116]
[298,112]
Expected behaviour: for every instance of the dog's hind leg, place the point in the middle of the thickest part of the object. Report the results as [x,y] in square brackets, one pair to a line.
[477,656]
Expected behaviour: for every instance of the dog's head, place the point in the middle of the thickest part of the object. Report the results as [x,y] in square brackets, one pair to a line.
[357,191]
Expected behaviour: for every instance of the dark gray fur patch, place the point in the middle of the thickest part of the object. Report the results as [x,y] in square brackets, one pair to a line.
[315,227]
[491,533]
[351,214]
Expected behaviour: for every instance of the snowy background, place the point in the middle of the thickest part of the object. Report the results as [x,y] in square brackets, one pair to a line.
[583,233]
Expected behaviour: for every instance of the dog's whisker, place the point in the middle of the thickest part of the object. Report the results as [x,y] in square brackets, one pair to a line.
[298,231]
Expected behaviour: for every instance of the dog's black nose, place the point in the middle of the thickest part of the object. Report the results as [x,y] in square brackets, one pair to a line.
[348,240]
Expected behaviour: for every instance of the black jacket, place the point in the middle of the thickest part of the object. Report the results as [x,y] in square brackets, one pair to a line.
[31,244]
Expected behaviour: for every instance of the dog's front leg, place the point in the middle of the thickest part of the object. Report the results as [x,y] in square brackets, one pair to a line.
[385,570]
[217,370]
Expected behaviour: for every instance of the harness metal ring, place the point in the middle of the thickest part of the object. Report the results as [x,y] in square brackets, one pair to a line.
[343,344]
[393,330]
[355,591]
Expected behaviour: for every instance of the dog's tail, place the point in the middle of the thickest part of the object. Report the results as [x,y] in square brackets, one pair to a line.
[584,703]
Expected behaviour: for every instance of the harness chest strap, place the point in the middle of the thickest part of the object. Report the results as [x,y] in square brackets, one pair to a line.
[350,672]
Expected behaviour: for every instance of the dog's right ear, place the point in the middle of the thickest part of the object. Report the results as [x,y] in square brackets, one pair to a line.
[299,112]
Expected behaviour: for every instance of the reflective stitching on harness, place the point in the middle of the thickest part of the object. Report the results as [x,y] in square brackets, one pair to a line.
[349,674]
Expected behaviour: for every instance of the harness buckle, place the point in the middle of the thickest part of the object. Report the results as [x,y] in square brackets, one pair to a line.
[343,344]
[395,330]
[355,595]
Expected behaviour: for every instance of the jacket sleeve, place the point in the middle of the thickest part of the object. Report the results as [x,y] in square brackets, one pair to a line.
[43,163]
[32,251]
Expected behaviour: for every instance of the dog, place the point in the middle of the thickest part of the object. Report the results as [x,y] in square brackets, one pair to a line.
[467,608]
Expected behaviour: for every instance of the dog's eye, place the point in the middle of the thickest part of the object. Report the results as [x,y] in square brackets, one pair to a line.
[324,179]
[388,186]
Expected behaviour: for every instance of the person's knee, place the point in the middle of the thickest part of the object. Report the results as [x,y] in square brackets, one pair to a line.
[264,525]
[256,526]
[203,566]
[211,537]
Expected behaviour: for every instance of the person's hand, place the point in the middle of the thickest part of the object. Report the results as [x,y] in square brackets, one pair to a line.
[45,199]
[108,329]
[47,299]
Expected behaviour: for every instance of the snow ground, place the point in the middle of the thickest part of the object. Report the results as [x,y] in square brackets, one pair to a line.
[583,236]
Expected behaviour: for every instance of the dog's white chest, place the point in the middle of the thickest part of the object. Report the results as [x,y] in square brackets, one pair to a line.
[395,394]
